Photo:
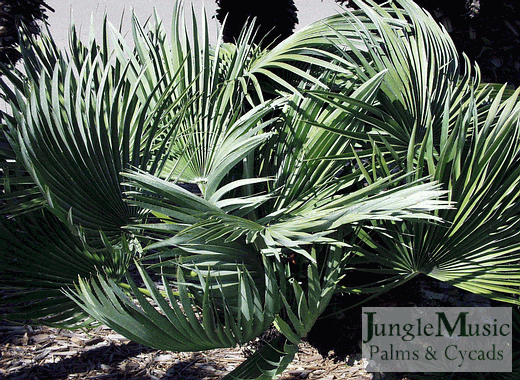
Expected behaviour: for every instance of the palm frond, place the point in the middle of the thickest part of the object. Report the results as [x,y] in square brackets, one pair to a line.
[39,257]
[178,322]
[77,127]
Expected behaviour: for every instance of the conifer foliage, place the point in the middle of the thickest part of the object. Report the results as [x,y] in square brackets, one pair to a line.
[275,19]
[487,31]
[15,14]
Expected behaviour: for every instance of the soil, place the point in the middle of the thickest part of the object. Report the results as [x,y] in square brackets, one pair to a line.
[39,353]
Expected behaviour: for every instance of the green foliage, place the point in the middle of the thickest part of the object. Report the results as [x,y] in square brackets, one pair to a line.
[16,14]
[433,121]
[40,257]
[375,151]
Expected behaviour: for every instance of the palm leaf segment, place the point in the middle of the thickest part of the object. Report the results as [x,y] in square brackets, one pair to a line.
[270,186]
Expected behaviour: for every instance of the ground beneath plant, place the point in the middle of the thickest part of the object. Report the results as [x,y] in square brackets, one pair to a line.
[38,353]
[46,353]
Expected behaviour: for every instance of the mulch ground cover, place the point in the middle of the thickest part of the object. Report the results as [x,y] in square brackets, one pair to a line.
[39,353]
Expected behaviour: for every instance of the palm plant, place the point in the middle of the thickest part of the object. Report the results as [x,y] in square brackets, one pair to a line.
[237,211]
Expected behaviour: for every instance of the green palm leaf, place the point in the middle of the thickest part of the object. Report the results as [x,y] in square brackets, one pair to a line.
[180,323]
[81,124]
[39,257]
[434,120]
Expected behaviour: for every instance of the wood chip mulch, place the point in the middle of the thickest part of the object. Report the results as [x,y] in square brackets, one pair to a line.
[39,353]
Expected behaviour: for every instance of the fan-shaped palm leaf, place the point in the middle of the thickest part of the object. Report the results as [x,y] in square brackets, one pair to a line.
[77,126]
[40,257]
[434,119]
[477,251]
